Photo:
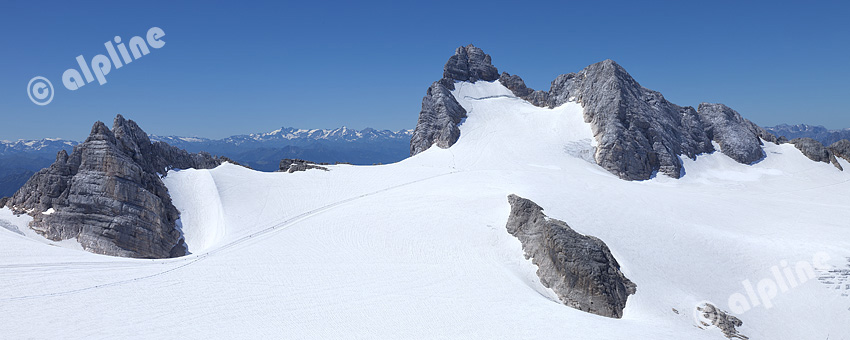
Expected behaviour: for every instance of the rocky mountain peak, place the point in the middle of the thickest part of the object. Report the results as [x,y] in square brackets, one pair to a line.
[470,63]
[129,132]
[108,194]
[100,132]
[441,113]
[609,68]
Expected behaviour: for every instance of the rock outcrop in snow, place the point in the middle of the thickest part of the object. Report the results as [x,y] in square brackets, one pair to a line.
[293,165]
[816,151]
[712,316]
[578,268]
[108,194]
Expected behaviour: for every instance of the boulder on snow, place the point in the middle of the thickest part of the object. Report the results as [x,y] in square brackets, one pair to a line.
[578,268]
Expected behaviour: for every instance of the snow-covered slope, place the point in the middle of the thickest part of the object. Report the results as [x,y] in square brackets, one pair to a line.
[419,249]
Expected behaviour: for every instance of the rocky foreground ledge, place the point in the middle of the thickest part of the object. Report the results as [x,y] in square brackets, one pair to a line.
[108,194]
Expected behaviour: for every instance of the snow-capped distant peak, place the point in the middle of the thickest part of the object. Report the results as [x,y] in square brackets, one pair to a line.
[49,145]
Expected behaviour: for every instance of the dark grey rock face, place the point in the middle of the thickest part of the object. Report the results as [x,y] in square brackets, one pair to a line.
[108,194]
[638,132]
[726,323]
[293,165]
[470,63]
[517,86]
[815,151]
[732,132]
[578,268]
[438,120]
[841,149]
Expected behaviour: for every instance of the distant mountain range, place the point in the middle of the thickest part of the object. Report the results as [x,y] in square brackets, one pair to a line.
[265,150]
[817,132]
[19,160]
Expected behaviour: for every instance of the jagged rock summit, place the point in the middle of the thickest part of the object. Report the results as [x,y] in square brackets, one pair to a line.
[469,63]
[108,194]
[441,113]
[638,132]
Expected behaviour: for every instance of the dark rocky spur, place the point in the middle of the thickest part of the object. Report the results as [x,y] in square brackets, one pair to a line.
[438,121]
[109,195]
[841,149]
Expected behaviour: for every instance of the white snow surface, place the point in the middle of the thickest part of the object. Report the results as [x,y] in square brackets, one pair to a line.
[419,249]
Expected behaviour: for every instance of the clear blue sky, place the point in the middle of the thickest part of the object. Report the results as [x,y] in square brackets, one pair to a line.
[240,67]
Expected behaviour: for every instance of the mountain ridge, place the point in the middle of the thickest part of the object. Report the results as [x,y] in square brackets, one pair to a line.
[639,133]
[816,132]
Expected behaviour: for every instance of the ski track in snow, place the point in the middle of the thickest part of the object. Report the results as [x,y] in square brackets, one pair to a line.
[191,259]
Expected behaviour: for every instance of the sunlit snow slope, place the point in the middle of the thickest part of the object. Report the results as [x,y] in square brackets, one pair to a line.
[419,249]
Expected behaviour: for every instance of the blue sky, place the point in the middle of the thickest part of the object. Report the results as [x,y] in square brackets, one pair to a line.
[240,67]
